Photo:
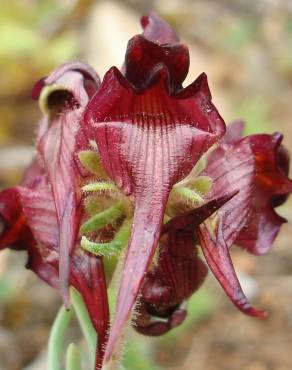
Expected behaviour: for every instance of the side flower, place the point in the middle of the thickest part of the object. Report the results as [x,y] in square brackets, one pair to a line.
[43,215]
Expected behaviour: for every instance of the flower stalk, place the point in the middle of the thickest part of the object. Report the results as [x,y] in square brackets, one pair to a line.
[86,326]
[56,339]
[73,358]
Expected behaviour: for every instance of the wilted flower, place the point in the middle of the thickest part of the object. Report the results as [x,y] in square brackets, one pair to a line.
[139,160]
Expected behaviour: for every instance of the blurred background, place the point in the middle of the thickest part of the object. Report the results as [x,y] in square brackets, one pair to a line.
[245,47]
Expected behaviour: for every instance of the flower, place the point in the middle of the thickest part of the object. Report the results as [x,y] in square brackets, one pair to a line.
[258,166]
[43,215]
[150,133]
[137,167]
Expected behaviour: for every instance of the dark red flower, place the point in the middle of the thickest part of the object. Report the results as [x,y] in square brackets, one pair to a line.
[150,133]
[127,161]
[257,165]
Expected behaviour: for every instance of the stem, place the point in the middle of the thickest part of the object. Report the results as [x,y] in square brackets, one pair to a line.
[56,339]
[73,359]
[115,362]
[85,324]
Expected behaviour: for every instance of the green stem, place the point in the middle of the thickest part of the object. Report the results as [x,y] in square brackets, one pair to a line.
[55,345]
[73,358]
[85,324]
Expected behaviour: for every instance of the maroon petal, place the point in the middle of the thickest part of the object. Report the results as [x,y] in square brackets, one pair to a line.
[218,258]
[144,59]
[18,232]
[178,273]
[40,213]
[283,164]
[260,231]
[157,48]
[157,30]
[87,274]
[147,142]
[14,229]
[271,188]
[40,266]
[249,165]
[179,267]
[272,165]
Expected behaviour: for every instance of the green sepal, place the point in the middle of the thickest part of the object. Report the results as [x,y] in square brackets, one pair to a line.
[102,219]
[112,248]
[92,162]
[189,194]
[99,186]
[201,184]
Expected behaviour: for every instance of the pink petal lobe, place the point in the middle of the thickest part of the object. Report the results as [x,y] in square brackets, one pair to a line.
[61,76]
[218,258]
[147,141]
[57,147]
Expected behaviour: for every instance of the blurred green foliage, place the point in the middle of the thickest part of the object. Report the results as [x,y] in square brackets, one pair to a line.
[33,41]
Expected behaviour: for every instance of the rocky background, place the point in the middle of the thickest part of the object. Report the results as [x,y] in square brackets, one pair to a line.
[245,47]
